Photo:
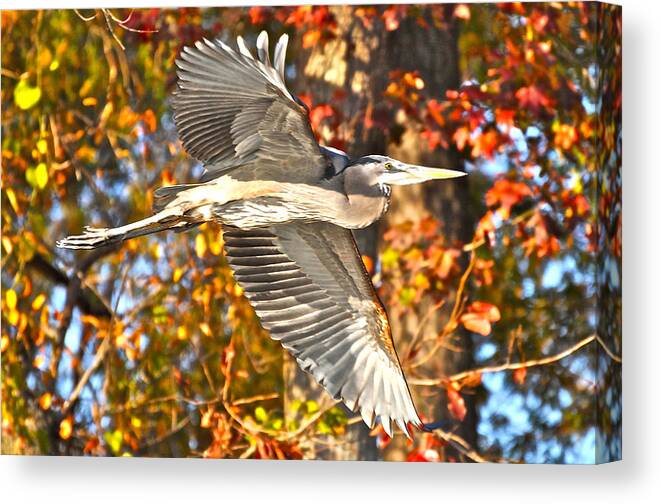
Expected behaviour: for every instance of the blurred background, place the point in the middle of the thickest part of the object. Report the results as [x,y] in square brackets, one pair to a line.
[503,289]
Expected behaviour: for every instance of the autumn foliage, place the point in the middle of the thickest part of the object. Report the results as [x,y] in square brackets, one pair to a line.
[150,348]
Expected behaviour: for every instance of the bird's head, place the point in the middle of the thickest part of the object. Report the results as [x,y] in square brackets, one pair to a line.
[384,170]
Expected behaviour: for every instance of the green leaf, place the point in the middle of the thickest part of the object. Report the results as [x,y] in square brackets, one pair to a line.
[407,295]
[26,96]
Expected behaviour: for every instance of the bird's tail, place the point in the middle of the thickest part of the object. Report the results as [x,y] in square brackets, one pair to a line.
[173,217]
[164,196]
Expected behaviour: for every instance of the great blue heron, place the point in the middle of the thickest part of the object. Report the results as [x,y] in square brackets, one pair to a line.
[286,205]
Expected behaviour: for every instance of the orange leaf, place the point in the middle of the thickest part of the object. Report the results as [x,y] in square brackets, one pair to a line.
[311,38]
[66,428]
[38,301]
[369,264]
[477,323]
[149,119]
[45,400]
[91,445]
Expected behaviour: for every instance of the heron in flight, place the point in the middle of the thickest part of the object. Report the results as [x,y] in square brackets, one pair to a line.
[287,207]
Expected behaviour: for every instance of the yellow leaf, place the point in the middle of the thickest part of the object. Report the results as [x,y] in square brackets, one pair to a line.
[38,361]
[42,146]
[66,428]
[421,281]
[13,317]
[38,301]
[5,344]
[200,245]
[90,101]
[216,247]
[26,96]
[37,177]
[11,196]
[181,333]
[136,422]
[41,174]
[177,274]
[45,400]
[54,65]
[206,330]
[107,110]
[11,299]
[7,244]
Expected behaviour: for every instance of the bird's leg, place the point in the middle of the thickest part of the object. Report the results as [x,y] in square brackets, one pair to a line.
[168,218]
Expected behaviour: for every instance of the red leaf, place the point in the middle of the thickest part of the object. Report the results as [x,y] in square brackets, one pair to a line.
[532,97]
[519,375]
[490,311]
[257,15]
[391,18]
[428,455]
[319,113]
[456,404]
[507,194]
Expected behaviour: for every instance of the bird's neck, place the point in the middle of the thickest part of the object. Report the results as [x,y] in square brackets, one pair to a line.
[366,202]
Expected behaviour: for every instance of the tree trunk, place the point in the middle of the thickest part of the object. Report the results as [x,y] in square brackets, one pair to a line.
[357,63]
[434,54]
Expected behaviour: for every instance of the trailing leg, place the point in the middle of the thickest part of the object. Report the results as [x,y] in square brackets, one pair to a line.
[168,218]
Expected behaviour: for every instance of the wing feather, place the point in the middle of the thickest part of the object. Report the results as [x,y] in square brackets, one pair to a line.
[322,308]
[232,109]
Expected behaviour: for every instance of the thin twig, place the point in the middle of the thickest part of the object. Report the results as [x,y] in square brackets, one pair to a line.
[515,365]
[475,244]
[86,19]
[452,323]
[101,351]
[163,437]
[461,445]
[608,351]
[98,358]
[257,398]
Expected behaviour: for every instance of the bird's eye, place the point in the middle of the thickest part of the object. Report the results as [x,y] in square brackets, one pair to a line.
[388,166]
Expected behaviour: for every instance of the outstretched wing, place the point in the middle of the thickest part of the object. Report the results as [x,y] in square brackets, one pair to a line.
[310,290]
[233,110]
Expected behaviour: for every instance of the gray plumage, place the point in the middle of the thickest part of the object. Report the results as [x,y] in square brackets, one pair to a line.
[287,206]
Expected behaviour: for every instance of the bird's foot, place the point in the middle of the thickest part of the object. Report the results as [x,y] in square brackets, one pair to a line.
[92,238]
